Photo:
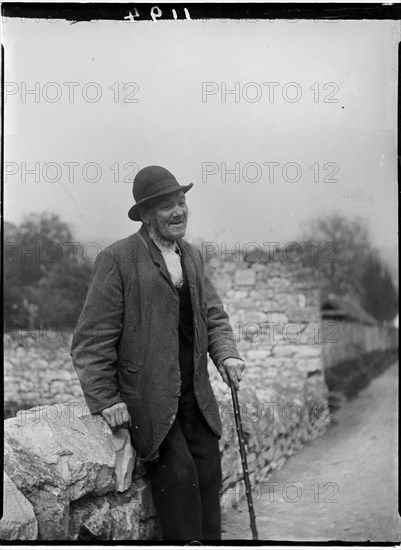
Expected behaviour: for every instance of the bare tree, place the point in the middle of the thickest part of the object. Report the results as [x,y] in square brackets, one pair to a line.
[340,247]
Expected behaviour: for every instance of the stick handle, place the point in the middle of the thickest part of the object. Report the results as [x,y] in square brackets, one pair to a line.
[240,433]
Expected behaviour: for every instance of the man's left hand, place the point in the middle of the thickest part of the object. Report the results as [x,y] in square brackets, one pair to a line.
[231,369]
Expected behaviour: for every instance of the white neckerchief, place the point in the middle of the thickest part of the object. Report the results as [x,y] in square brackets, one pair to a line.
[171,255]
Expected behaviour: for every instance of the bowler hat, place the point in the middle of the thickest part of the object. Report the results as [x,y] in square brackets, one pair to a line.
[152,182]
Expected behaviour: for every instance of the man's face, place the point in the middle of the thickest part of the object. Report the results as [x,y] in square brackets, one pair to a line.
[168,216]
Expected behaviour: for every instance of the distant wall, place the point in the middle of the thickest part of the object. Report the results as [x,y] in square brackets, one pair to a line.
[38,368]
[351,339]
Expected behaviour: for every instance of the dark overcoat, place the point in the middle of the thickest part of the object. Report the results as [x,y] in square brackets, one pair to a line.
[126,347]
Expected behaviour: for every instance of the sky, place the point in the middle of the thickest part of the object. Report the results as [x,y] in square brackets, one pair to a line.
[275,122]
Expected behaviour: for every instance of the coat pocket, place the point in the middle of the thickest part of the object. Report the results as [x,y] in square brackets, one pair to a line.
[129,366]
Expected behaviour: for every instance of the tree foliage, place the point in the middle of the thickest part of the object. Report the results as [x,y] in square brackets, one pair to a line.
[349,265]
[45,273]
[380,296]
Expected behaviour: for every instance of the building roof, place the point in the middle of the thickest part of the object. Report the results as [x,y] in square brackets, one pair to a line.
[345,308]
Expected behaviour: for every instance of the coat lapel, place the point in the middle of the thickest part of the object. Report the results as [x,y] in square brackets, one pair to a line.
[190,271]
[188,265]
[156,256]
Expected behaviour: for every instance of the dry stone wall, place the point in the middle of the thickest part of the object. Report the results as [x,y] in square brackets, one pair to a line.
[275,313]
[38,368]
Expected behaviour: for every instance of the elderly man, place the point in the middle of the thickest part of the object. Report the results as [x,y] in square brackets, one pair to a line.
[140,348]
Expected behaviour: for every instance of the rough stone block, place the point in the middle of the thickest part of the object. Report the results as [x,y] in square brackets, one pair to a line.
[115,516]
[77,454]
[303,314]
[241,295]
[41,485]
[284,350]
[18,521]
[125,459]
[85,462]
[258,355]
[245,277]
[279,282]
[90,519]
[125,522]
[253,315]
[276,317]
[311,364]
[259,267]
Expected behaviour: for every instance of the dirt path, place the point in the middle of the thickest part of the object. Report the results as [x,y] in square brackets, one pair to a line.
[341,486]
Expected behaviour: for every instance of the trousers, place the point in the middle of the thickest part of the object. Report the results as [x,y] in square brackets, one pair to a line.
[186,478]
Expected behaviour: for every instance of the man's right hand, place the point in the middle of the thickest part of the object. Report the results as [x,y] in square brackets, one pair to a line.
[117,416]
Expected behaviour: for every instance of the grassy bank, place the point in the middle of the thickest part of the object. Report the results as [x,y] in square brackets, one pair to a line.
[349,377]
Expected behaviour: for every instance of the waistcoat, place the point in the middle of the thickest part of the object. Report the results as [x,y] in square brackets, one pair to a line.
[186,339]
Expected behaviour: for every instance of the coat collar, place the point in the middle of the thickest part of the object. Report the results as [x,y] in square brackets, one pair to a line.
[158,259]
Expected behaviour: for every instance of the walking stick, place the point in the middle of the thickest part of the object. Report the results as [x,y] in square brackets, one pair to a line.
[238,425]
